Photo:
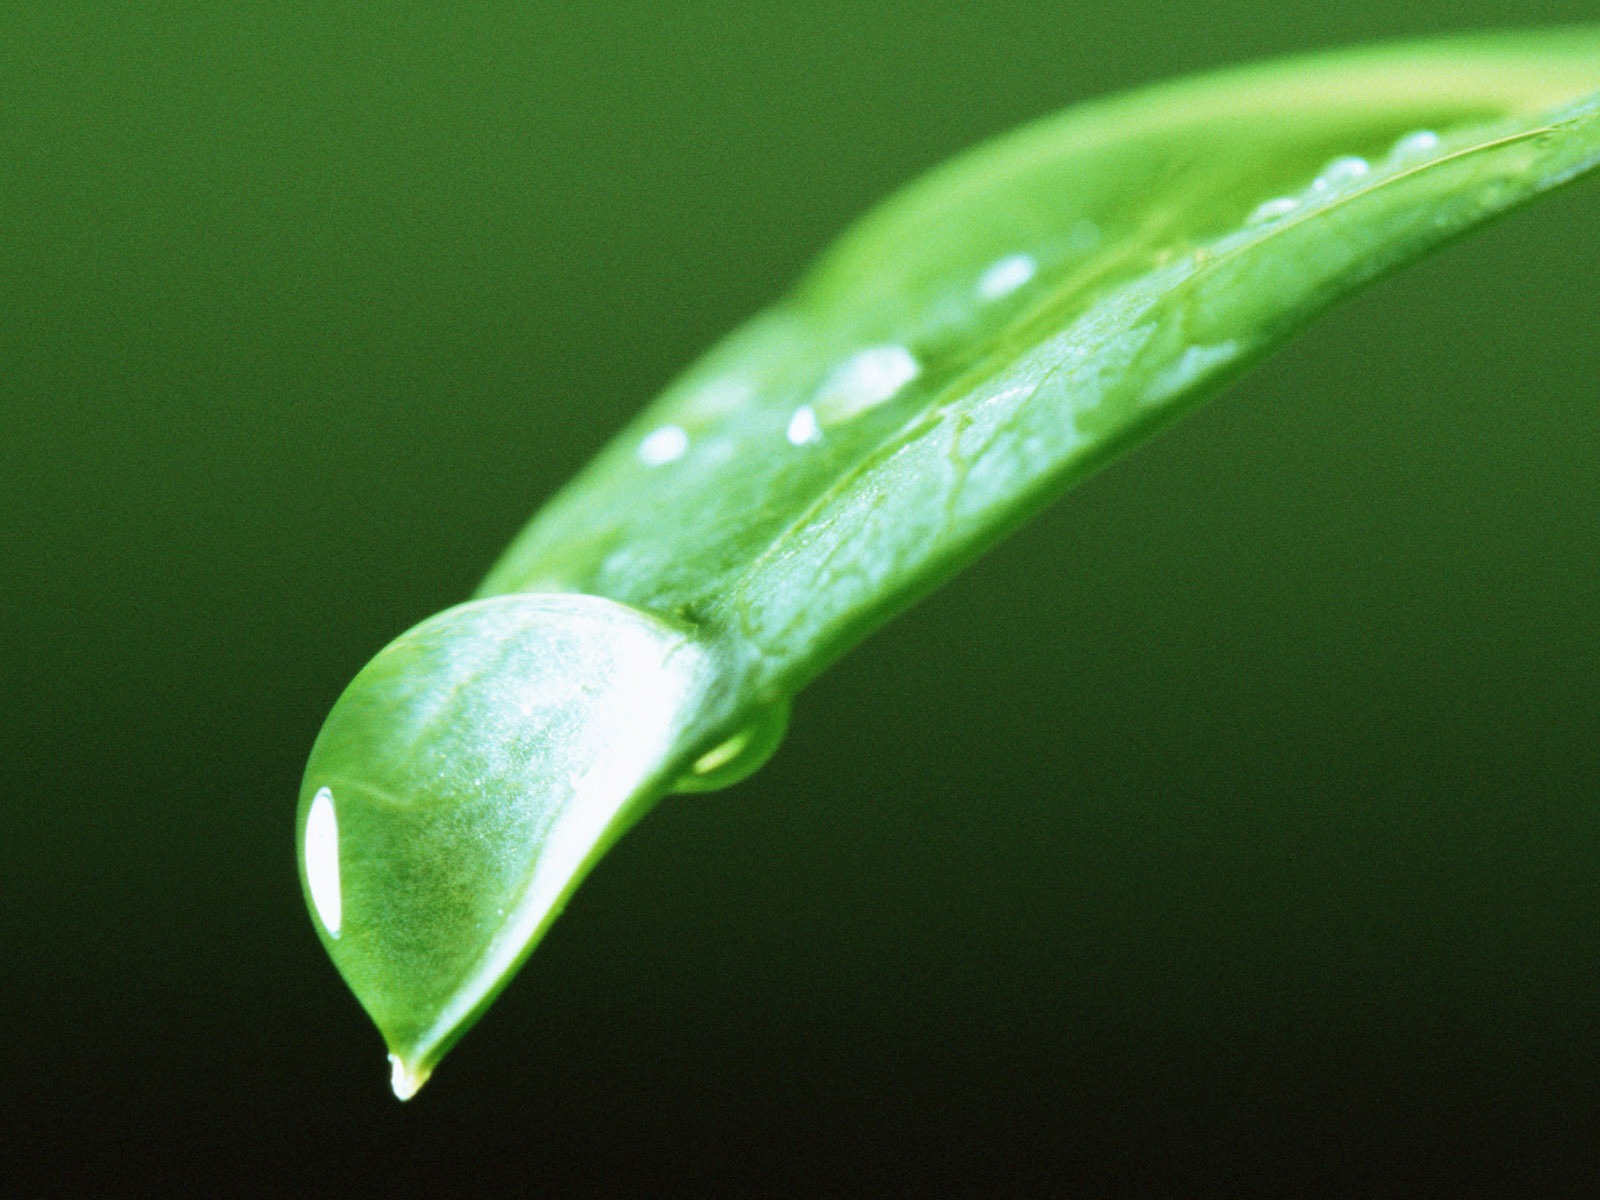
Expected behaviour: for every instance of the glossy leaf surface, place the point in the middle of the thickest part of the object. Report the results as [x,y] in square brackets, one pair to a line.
[967,352]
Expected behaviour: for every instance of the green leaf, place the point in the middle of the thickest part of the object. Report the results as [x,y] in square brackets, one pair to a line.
[970,350]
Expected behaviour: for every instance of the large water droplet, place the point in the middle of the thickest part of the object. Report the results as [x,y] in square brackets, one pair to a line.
[482,762]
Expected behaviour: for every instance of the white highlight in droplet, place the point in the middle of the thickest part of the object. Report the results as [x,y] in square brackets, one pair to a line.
[803,427]
[322,861]
[1414,145]
[664,445]
[1005,276]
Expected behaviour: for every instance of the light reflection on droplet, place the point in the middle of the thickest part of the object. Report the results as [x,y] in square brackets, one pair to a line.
[1002,278]
[664,445]
[803,427]
[322,861]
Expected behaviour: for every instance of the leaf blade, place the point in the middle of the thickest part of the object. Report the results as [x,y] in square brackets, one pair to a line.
[721,537]
[969,351]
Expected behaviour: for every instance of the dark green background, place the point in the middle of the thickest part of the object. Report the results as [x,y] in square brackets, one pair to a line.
[1239,820]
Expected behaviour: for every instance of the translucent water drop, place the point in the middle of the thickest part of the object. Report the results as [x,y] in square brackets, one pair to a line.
[803,427]
[1339,172]
[402,1080]
[1416,144]
[1272,210]
[740,756]
[482,762]
[664,445]
[1005,276]
[864,380]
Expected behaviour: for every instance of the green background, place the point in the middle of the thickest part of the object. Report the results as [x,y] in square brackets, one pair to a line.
[1239,820]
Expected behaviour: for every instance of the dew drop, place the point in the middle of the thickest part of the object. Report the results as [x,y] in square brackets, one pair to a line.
[864,380]
[322,862]
[482,760]
[1416,144]
[803,427]
[1340,172]
[664,445]
[1005,276]
[1272,210]
[405,1082]
[740,756]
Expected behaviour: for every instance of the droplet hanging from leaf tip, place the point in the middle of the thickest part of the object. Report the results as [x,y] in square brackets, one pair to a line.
[405,1081]
[464,784]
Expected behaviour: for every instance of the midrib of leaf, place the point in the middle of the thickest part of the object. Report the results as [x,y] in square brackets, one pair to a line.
[828,634]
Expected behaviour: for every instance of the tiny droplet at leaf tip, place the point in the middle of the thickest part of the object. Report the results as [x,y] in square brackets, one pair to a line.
[406,1081]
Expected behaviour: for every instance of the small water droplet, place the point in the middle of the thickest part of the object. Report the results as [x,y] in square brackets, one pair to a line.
[1272,210]
[803,427]
[664,445]
[1340,172]
[322,862]
[405,1082]
[741,755]
[1416,144]
[864,380]
[1005,276]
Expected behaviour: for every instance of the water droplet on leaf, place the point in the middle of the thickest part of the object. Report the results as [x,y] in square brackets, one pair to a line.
[1415,144]
[1339,172]
[482,762]
[864,380]
[803,427]
[740,756]
[1006,276]
[1272,210]
[664,445]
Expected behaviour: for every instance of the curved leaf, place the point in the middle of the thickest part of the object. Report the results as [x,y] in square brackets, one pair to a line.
[966,353]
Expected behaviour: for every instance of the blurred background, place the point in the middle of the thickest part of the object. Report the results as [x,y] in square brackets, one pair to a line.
[1238,821]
